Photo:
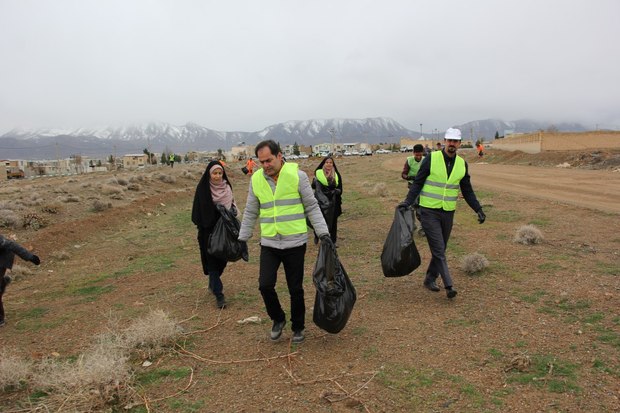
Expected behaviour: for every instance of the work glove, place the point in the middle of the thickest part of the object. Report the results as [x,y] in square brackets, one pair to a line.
[481,216]
[326,240]
[244,251]
[35,260]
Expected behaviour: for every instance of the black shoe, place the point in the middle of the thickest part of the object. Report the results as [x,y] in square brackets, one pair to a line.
[298,336]
[276,330]
[431,285]
[7,280]
[221,302]
[451,292]
[2,322]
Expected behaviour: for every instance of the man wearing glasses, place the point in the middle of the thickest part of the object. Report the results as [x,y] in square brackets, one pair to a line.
[437,182]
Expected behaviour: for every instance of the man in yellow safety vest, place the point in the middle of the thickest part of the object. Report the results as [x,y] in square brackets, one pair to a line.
[437,182]
[280,198]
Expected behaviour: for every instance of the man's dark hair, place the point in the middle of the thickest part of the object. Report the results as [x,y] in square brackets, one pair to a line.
[273,147]
[418,148]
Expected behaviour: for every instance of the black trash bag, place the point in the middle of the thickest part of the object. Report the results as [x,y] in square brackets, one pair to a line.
[245,170]
[326,204]
[400,255]
[223,242]
[335,294]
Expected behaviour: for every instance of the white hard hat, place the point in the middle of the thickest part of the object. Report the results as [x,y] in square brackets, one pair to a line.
[453,133]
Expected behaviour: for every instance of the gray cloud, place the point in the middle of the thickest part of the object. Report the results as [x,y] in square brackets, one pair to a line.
[242,65]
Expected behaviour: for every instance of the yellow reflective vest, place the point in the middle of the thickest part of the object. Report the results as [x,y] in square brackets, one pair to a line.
[441,190]
[414,167]
[282,211]
[320,176]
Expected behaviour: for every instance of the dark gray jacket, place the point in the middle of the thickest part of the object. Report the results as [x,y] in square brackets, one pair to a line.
[8,249]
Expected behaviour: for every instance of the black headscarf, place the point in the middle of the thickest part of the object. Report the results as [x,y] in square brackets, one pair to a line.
[204,213]
[339,186]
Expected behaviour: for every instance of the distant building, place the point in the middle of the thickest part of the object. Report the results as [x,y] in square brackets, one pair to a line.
[133,161]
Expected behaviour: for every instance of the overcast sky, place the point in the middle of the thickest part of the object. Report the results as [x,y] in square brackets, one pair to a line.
[243,65]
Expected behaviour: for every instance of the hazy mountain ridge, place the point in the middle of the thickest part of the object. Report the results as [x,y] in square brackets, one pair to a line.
[159,136]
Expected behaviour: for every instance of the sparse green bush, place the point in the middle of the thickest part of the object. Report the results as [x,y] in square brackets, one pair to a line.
[528,235]
[474,263]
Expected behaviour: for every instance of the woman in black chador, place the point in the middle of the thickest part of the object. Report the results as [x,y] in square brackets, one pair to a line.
[213,188]
[327,185]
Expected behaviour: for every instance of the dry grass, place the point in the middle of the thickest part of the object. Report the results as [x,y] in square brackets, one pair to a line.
[13,370]
[122,181]
[60,255]
[474,263]
[99,206]
[19,271]
[380,189]
[10,219]
[52,208]
[169,179]
[110,189]
[528,235]
[69,198]
[134,187]
[101,377]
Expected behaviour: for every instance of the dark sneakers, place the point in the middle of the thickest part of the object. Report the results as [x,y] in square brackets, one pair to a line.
[220,302]
[298,337]
[451,292]
[431,285]
[7,280]
[276,330]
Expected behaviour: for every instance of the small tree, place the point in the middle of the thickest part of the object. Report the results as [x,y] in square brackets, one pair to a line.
[111,159]
[164,158]
[296,149]
[496,135]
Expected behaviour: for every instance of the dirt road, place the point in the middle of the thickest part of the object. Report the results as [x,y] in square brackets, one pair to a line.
[595,189]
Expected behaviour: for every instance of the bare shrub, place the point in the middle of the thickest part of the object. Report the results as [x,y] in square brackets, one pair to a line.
[13,370]
[52,208]
[9,190]
[99,206]
[85,185]
[109,189]
[169,179]
[7,205]
[62,189]
[10,219]
[34,221]
[60,255]
[99,378]
[32,199]
[112,181]
[380,189]
[118,196]
[71,180]
[528,235]
[70,198]
[134,187]
[149,335]
[137,178]
[122,181]
[187,175]
[474,263]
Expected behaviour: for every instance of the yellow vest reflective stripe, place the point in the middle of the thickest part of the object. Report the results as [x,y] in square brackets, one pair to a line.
[439,190]
[282,211]
[414,166]
[320,176]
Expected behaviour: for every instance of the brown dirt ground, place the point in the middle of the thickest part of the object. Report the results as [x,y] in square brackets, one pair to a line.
[404,349]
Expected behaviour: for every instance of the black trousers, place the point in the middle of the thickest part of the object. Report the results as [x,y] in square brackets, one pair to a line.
[293,261]
[437,225]
[2,288]
[211,266]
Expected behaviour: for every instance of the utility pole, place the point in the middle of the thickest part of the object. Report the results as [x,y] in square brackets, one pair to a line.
[57,159]
[332,132]
[420,130]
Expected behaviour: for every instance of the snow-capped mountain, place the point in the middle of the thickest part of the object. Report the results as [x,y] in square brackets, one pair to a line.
[158,137]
